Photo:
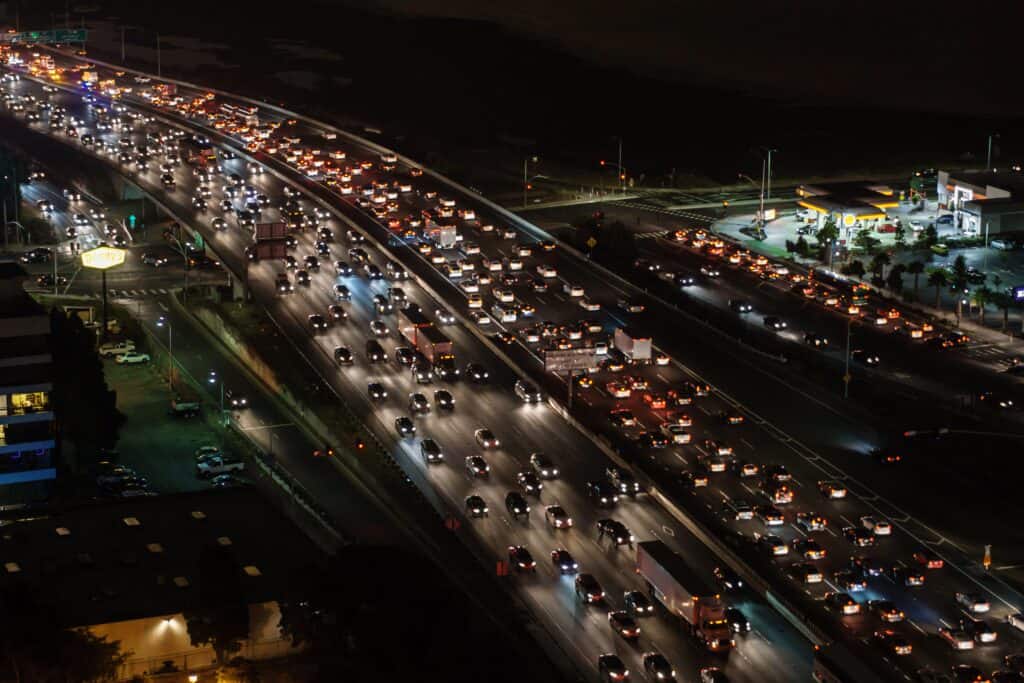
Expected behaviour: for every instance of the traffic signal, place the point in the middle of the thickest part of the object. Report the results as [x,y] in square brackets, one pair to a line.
[131,221]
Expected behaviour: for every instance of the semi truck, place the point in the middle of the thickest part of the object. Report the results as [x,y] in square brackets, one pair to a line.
[634,346]
[676,586]
[199,152]
[423,335]
[444,236]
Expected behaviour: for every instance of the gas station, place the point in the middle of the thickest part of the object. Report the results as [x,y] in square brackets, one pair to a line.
[852,205]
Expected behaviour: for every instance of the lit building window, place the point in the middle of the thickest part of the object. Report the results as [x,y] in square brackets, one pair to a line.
[29,402]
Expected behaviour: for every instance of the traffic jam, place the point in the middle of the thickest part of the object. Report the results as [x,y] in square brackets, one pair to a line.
[527,299]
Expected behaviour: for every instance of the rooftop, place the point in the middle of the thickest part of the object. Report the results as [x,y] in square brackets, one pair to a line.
[107,562]
[1010,181]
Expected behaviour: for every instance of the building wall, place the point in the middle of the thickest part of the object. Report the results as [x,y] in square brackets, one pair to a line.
[155,640]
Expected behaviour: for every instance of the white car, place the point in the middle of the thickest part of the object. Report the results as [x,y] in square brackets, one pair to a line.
[475,301]
[132,358]
[574,291]
[116,348]
[973,602]
[444,317]
[1016,621]
[879,527]
[505,296]
[546,271]
[587,305]
[675,432]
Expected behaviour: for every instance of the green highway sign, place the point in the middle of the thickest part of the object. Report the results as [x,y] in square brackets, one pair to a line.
[77,35]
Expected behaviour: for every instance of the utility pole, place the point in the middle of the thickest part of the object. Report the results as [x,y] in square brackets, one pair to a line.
[988,162]
[122,44]
[159,73]
[526,183]
[768,189]
[760,210]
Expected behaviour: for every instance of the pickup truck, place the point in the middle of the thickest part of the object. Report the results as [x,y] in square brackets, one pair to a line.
[218,465]
[116,348]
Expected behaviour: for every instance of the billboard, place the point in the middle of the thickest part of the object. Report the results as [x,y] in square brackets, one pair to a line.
[562,361]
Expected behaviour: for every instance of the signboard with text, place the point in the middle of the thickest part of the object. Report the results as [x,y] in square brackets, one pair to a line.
[77,35]
[561,361]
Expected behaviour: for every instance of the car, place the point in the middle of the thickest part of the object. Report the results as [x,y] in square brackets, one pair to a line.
[741,306]
[376,391]
[564,561]
[877,526]
[738,621]
[772,544]
[624,625]
[612,669]
[418,403]
[529,482]
[866,357]
[842,603]
[37,255]
[638,604]
[527,392]
[588,589]
[477,373]
[1014,661]
[1016,620]
[957,638]
[737,509]
[623,481]
[132,358]
[603,493]
[727,579]
[475,506]
[375,352]
[485,438]
[981,631]
[810,521]
[693,480]
[476,466]
[517,505]
[317,323]
[806,572]
[849,580]
[832,489]
[905,576]
[774,322]
[745,469]
[928,559]
[154,260]
[557,517]
[342,293]
[769,515]
[444,400]
[973,602]
[543,466]
[404,426]
[379,328]
[816,340]
[862,538]
[1004,676]
[431,451]
[520,558]
[777,473]
[892,642]
[808,548]
[343,355]
[658,667]
[886,611]
[236,399]
[616,531]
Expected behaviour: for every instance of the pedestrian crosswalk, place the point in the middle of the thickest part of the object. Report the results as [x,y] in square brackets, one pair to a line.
[651,235]
[693,216]
[135,293]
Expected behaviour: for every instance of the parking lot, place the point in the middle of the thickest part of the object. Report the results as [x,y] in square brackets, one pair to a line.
[156,445]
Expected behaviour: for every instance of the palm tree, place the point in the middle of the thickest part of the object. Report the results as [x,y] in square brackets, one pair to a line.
[981,296]
[938,280]
[878,264]
[855,268]
[1003,301]
[915,268]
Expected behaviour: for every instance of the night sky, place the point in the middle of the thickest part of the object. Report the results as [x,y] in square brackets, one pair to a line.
[938,56]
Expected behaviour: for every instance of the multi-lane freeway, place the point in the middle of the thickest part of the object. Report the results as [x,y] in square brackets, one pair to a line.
[550,293]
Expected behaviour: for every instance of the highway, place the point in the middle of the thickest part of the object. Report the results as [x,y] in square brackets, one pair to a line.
[770,650]
[540,429]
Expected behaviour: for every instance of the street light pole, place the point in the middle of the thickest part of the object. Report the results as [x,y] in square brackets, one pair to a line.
[988,162]
[622,175]
[159,73]
[768,190]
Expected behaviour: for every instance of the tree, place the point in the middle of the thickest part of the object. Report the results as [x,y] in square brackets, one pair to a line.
[915,268]
[220,619]
[895,279]
[878,264]
[981,297]
[900,235]
[855,268]
[1003,301]
[828,232]
[928,238]
[85,408]
[959,277]
[35,648]
[865,240]
[938,280]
